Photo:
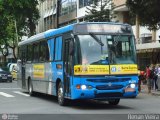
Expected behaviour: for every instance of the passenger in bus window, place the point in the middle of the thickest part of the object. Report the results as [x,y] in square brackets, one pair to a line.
[84,59]
[42,57]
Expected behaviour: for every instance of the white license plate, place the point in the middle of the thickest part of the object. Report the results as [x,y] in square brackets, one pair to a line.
[4,77]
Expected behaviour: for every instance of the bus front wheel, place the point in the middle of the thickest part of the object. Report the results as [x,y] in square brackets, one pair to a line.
[61,99]
[114,101]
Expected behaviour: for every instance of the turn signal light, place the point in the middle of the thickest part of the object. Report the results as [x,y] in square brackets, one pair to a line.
[78,86]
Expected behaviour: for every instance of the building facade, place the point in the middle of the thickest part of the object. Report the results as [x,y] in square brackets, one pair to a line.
[47,9]
[49,19]
[148,47]
[58,13]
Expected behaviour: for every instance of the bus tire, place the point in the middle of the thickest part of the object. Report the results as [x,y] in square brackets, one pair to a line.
[60,94]
[114,101]
[30,88]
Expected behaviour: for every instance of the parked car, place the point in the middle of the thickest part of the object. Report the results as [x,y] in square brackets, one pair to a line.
[5,76]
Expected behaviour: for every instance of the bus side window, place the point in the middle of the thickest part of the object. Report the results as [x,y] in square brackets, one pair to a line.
[44,51]
[36,52]
[29,52]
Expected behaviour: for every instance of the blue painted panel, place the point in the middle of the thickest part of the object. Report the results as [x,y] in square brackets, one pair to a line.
[51,48]
[90,93]
[58,50]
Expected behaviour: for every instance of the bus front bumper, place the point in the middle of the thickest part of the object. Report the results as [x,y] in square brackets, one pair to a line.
[103,94]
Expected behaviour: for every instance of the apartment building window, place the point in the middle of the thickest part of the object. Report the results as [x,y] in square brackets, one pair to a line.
[83,3]
[73,5]
[67,6]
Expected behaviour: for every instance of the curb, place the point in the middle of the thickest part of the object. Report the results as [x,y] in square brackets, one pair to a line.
[152,93]
[156,93]
[144,90]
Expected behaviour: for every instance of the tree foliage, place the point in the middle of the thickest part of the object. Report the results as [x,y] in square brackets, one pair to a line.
[25,12]
[99,11]
[147,11]
[20,15]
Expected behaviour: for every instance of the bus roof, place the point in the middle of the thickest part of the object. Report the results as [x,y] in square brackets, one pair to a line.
[53,32]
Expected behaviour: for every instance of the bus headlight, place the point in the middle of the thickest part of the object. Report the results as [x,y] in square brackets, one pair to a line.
[132,85]
[83,87]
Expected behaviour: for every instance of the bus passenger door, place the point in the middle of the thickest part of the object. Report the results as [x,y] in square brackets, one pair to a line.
[23,64]
[68,48]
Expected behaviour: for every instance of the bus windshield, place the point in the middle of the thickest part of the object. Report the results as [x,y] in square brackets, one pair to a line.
[105,49]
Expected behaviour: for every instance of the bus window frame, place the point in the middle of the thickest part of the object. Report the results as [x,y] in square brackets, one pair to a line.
[39,45]
[68,36]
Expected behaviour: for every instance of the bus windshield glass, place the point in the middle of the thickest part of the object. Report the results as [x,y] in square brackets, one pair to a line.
[105,49]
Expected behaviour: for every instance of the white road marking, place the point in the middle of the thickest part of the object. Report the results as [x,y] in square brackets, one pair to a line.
[9,88]
[21,93]
[5,94]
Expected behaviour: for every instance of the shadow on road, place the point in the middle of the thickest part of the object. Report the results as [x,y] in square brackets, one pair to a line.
[82,104]
[95,104]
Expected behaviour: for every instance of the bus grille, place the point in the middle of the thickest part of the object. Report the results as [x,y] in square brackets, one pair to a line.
[109,80]
[107,87]
[104,95]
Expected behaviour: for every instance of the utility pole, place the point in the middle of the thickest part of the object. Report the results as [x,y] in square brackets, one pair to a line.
[58,4]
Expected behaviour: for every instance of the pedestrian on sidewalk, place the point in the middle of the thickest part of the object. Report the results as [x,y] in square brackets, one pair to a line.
[141,78]
[158,74]
[149,82]
[153,77]
[156,77]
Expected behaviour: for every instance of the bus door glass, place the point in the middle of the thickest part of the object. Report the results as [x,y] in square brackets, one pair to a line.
[68,57]
[23,62]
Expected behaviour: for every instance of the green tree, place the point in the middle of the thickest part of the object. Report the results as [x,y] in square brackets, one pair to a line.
[24,12]
[147,11]
[99,11]
[17,18]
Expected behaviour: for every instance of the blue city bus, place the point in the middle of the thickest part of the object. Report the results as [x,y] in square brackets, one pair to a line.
[94,60]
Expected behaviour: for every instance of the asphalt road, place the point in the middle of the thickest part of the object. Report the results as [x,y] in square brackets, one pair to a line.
[15,102]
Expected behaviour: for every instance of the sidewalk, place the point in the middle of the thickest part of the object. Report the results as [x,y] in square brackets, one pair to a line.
[144,89]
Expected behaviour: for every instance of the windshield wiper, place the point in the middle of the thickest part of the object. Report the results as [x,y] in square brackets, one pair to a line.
[96,39]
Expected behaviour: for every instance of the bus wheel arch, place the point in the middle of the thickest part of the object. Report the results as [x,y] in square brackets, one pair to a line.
[57,83]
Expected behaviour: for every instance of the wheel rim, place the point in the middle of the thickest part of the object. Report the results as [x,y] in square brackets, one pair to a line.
[60,94]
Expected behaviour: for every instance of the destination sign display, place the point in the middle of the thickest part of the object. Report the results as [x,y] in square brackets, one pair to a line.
[102,28]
